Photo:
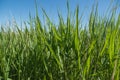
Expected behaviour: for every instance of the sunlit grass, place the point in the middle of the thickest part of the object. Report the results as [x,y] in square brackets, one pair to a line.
[63,52]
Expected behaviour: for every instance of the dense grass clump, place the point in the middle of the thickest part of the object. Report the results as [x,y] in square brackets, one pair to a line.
[63,52]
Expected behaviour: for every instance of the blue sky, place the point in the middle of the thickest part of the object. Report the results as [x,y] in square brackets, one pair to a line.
[19,9]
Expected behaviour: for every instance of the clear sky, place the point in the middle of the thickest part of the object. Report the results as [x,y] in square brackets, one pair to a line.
[19,9]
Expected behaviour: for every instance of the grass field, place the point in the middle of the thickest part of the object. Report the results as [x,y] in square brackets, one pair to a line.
[63,52]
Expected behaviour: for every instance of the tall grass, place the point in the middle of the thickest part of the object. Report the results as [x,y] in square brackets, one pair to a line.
[63,52]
